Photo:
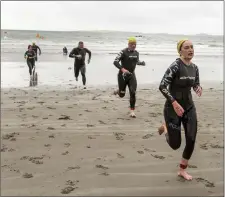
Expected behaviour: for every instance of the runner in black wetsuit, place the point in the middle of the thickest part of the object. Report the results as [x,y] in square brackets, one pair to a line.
[35,49]
[129,58]
[79,53]
[30,57]
[65,51]
[179,108]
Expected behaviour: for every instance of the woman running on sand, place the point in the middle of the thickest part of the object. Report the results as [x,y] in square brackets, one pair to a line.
[181,76]
[129,58]
[30,56]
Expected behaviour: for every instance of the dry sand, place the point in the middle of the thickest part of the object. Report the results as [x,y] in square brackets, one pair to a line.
[82,142]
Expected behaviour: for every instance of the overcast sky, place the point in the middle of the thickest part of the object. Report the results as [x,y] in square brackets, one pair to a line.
[176,17]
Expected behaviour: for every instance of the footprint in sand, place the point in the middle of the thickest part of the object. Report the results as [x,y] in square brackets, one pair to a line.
[70,187]
[73,168]
[140,152]
[102,167]
[27,175]
[67,144]
[216,146]
[64,117]
[101,122]
[204,146]
[90,137]
[205,182]
[147,136]
[51,107]
[51,136]
[10,136]
[120,156]
[65,153]
[51,128]
[90,125]
[104,174]
[158,156]
[119,136]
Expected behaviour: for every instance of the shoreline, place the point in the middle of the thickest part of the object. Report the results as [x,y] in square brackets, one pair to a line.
[71,87]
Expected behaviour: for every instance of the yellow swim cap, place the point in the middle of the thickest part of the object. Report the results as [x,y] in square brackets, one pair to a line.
[179,44]
[132,39]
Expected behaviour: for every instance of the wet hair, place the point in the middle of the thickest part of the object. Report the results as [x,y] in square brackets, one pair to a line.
[29,46]
[80,42]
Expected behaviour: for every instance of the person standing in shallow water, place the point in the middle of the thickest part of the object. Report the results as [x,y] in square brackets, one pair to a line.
[79,53]
[129,58]
[180,77]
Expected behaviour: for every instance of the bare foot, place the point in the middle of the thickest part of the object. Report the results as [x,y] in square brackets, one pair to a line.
[185,175]
[132,114]
[116,92]
[162,129]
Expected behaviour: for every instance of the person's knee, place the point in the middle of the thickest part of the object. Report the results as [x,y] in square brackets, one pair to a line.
[121,94]
[175,145]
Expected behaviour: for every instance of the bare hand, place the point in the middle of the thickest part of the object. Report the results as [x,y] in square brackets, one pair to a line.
[198,90]
[125,71]
[178,109]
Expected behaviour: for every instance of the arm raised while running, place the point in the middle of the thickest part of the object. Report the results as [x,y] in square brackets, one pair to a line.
[167,80]
[118,59]
[73,53]
[140,63]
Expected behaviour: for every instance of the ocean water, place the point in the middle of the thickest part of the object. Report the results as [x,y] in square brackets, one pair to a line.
[54,69]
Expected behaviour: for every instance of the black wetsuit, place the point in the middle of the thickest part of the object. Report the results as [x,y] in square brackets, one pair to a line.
[79,63]
[180,78]
[65,50]
[129,59]
[30,59]
[35,49]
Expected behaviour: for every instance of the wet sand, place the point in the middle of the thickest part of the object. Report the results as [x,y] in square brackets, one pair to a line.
[82,142]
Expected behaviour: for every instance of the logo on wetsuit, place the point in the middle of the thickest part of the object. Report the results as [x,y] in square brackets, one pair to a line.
[133,56]
[191,78]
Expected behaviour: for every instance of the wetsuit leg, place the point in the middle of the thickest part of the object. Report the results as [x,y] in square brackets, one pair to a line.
[122,85]
[29,64]
[83,73]
[132,85]
[76,71]
[189,122]
[173,124]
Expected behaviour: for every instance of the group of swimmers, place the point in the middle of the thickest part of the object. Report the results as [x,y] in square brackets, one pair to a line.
[176,84]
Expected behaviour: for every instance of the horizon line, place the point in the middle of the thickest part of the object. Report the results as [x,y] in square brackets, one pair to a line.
[109,31]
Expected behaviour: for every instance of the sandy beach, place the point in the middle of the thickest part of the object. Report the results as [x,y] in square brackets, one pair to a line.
[82,142]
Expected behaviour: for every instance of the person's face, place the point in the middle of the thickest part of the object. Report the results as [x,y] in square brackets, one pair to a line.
[132,46]
[81,45]
[187,50]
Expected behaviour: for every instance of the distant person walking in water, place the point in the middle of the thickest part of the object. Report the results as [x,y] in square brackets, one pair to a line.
[181,76]
[129,58]
[36,48]
[79,53]
[30,57]
[65,51]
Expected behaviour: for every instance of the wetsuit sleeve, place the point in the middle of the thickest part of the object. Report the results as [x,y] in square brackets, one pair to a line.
[39,49]
[34,54]
[118,59]
[141,63]
[72,53]
[25,54]
[167,80]
[89,53]
[197,80]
